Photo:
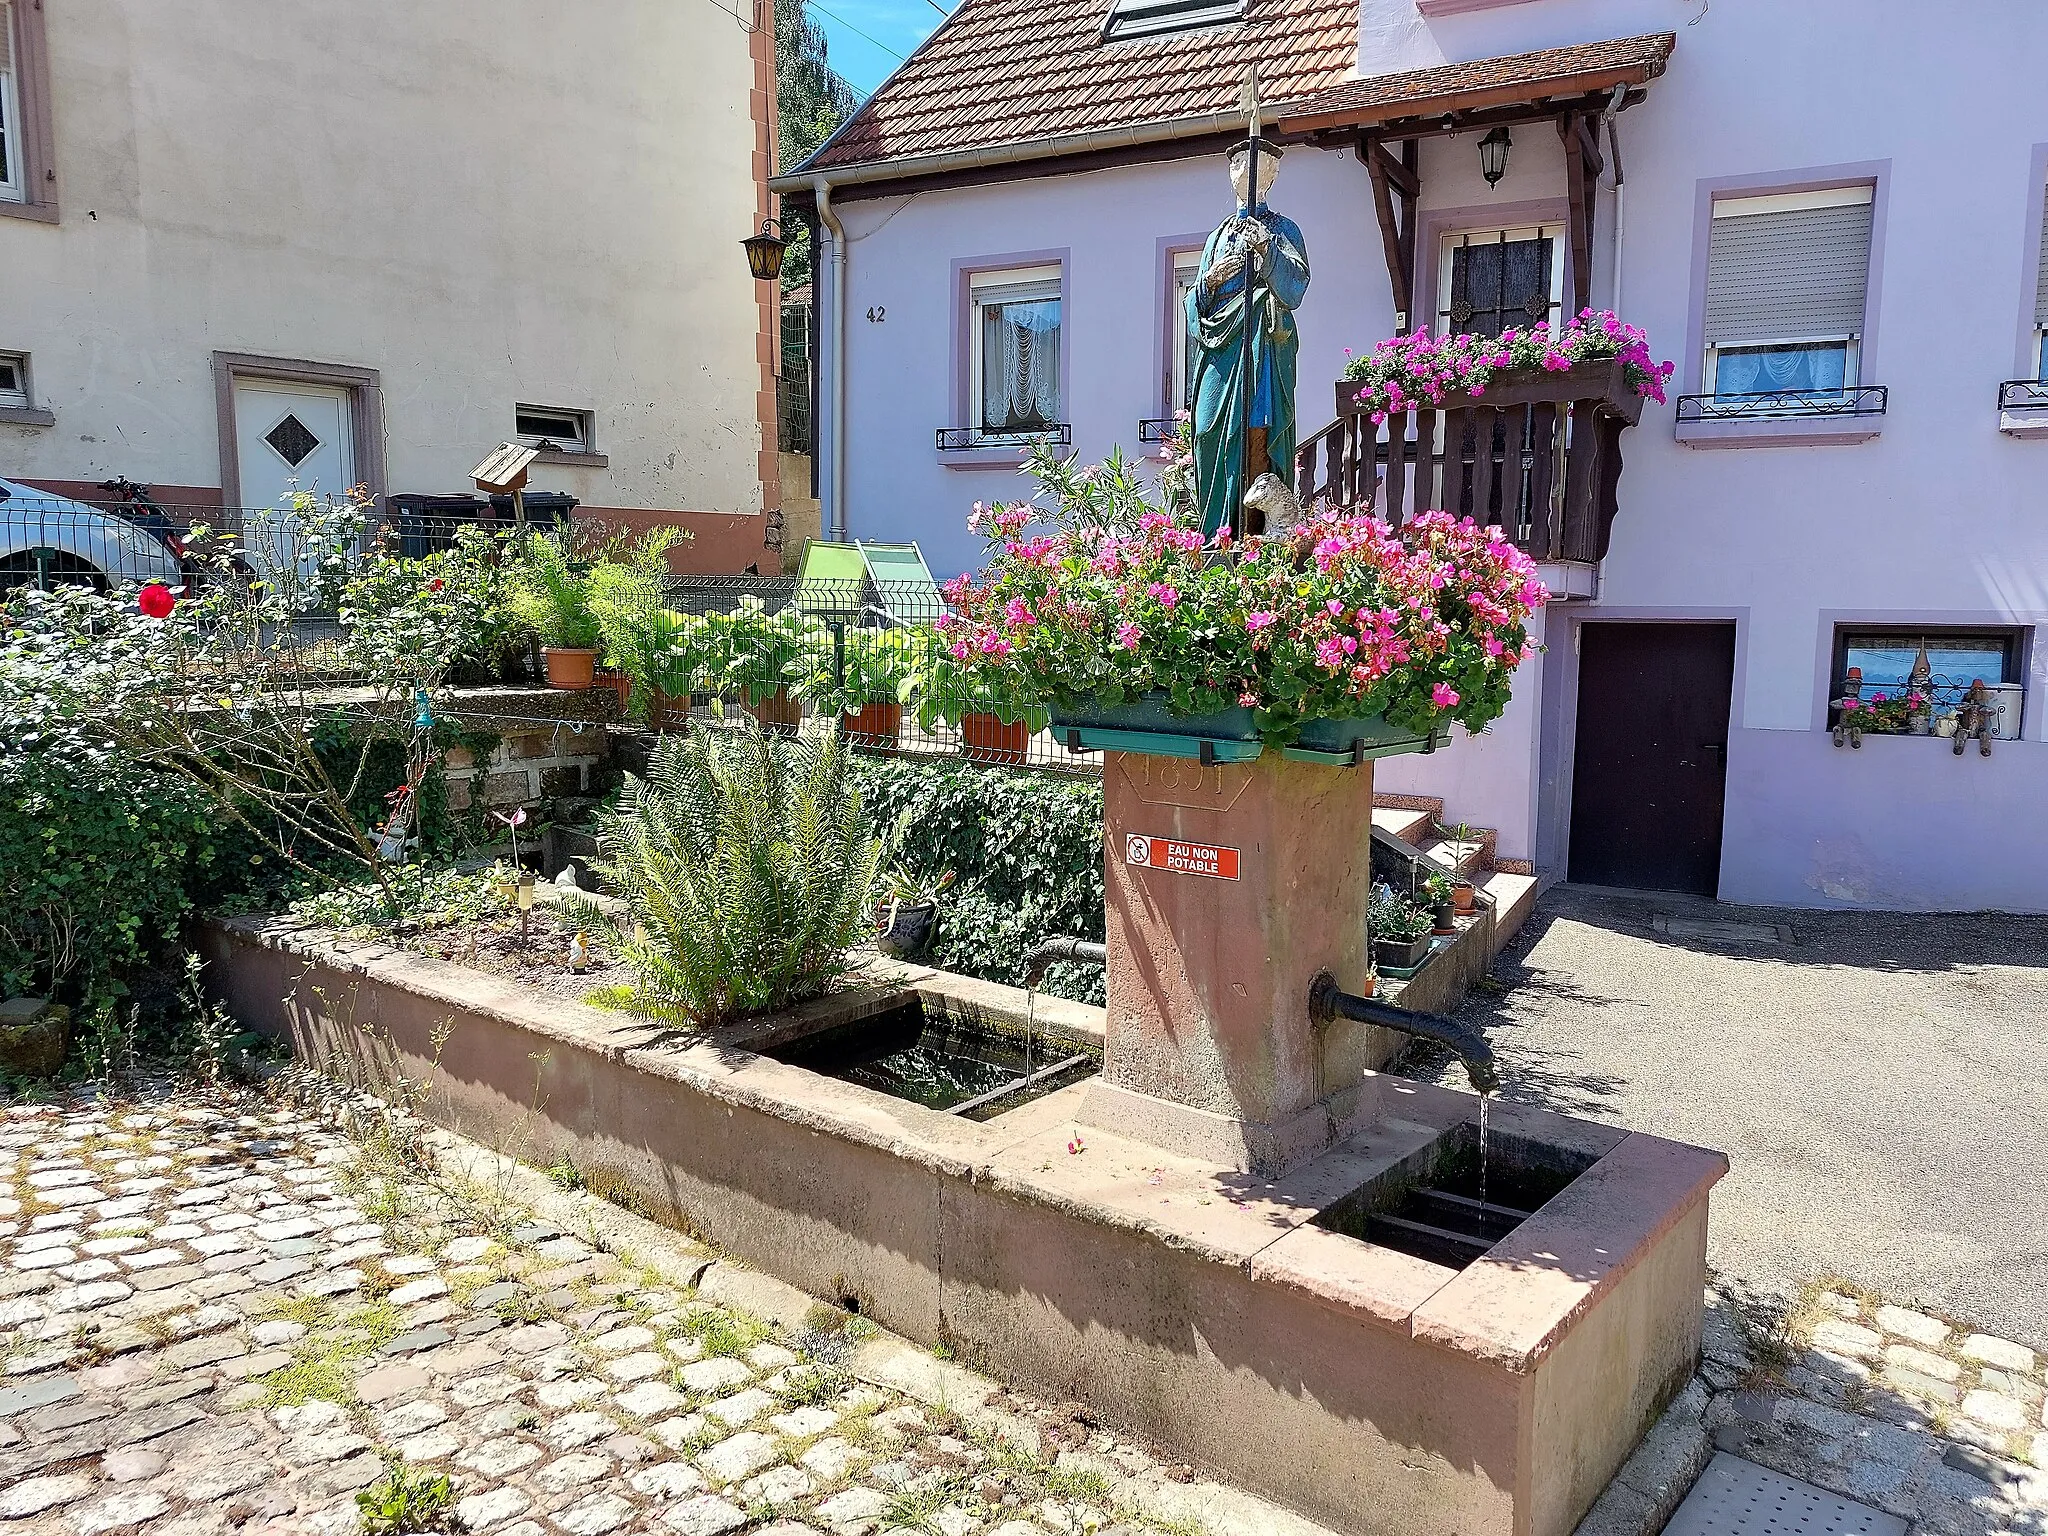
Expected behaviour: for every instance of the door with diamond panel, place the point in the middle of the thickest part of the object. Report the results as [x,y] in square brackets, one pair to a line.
[287,437]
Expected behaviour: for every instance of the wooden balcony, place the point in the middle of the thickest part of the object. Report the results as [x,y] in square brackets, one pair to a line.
[1538,453]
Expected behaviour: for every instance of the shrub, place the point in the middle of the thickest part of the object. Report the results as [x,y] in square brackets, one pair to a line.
[747,866]
[99,862]
[1027,849]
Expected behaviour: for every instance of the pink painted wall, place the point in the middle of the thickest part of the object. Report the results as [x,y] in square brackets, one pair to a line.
[1937,517]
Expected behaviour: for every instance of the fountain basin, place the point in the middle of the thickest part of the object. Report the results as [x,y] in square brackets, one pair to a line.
[1208,1309]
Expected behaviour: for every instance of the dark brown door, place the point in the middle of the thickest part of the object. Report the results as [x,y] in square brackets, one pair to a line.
[1651,767]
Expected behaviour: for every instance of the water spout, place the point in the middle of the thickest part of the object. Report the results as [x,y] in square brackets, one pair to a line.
[1059,949]
[1327,1001]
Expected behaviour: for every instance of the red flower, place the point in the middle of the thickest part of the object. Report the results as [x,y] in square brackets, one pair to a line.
[435,585]
[156,601]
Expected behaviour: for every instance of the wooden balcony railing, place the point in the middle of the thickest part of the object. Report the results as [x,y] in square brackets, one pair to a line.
[1538,453]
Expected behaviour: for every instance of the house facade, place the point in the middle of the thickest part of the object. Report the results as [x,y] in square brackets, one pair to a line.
[1830,217]
[266,240]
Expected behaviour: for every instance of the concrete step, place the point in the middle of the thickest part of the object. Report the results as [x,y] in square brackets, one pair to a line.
[1514,898]
[1412,827]
[1471,858]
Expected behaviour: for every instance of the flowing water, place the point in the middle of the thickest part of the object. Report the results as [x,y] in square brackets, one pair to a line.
[1482,1148]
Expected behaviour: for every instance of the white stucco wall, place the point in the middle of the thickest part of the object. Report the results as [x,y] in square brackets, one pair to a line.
[488,201]
[1939,519]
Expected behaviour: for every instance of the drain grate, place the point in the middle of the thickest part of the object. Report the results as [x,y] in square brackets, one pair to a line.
[1739,1498]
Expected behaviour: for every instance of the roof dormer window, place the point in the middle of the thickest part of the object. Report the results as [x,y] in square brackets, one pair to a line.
[1150,18]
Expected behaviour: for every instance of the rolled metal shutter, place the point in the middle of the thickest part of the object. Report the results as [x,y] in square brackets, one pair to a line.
[2041,281]
[1797,272]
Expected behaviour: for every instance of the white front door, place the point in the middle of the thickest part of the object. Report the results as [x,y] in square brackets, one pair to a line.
[288,437]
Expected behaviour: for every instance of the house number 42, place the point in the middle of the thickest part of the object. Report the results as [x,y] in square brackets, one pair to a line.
[877,313]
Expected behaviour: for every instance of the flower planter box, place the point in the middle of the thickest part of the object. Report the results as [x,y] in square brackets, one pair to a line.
[1400,955]
[908,931]
[1224,736]
[990,740]
[876,724]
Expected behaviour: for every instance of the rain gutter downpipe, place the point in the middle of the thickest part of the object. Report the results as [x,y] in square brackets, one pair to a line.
[820,184]
[835,472]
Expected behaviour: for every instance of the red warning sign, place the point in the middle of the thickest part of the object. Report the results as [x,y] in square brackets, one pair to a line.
[1182,858]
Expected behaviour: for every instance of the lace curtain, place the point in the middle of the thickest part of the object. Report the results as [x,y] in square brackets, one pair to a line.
[1759,370]
[1020,365]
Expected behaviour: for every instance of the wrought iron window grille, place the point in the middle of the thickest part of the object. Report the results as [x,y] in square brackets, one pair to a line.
[2023,395]
[1155,429]
[1864,400]
[1059,434]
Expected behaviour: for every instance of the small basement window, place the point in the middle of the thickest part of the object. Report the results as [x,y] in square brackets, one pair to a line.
[1148,18]
[552,430]
[1956,657]
[14,380]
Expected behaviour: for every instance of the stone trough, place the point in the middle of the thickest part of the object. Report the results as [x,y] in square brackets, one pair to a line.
[1243,1243]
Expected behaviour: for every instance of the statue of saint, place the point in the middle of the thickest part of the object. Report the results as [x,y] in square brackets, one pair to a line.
[1241,323]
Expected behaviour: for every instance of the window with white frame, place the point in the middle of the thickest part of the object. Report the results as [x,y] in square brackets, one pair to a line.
[14,381]
[13,175]
[1180,361]
[551,429]
[1787,277]
[1013,337]
[1492,280]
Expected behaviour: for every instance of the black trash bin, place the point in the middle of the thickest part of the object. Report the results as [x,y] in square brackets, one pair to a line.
[545,510]
[428,523]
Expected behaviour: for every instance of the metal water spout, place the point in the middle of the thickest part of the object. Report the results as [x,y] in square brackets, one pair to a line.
[1328,1002]
[1059,949]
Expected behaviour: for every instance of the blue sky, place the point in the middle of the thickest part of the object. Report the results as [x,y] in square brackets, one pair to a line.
[891,27]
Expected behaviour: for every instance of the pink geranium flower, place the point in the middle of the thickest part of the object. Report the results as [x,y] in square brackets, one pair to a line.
[1443,696]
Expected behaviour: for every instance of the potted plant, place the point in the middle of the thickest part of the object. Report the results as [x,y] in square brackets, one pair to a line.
[1441,903]
[649,649]
[907,916]
[1330,641]
[1400,931]
[550,599]
[765,658]
[995,725]
[868,693]
[1464,848]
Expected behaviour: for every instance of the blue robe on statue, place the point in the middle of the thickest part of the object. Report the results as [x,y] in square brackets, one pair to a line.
[1227,366]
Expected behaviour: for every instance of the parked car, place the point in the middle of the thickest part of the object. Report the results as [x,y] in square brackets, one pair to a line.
[45,538]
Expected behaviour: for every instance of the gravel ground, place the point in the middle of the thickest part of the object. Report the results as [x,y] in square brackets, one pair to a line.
[220,1316]
[1877,1083]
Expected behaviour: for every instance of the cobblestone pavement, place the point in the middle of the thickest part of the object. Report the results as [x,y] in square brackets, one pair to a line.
[217,1315]
[1889,1406]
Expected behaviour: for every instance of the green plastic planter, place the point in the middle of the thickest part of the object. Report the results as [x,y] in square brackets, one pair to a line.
[1224,736]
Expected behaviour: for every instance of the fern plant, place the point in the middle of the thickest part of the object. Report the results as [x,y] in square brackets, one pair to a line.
[747,866]
[550,597]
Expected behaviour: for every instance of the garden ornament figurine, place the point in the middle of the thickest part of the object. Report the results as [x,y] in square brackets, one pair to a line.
[1975,718]
[1240,319]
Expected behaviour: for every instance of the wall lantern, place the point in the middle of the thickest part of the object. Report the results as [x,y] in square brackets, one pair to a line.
[764,251]
[1493,155]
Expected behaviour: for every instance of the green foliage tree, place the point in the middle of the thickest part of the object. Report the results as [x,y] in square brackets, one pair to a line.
[811,100]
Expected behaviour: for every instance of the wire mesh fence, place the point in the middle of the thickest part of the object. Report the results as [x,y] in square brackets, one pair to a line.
[794,653]
[809,653]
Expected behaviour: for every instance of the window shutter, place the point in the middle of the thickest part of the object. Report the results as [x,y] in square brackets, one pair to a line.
[2041,281]
[1791,273]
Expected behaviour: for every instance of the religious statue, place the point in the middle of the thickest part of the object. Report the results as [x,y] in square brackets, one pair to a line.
[1240,317]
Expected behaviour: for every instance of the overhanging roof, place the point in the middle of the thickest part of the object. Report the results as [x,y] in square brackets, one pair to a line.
[1449,90]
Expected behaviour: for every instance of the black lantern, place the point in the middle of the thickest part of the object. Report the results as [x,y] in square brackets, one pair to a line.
[1493,155]
[764,251]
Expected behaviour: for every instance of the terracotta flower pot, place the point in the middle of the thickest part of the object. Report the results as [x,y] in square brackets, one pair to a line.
[990,740]
[1463,897]
[778,712]
[876,723]
[620,685]
[569,667]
